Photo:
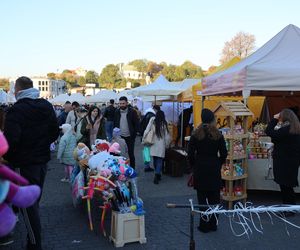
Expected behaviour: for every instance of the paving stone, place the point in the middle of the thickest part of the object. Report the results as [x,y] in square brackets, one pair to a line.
[66,227]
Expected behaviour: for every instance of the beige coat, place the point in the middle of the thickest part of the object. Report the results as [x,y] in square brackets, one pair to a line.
[160,144]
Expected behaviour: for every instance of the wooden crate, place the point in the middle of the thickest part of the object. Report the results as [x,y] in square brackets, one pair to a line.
[126,228]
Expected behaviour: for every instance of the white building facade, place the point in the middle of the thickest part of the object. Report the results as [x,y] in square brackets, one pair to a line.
[80,71]
[49,88]
[129,71]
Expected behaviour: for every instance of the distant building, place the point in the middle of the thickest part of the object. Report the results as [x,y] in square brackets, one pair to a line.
[80,71]
[49,88]
[128,85]
[88,90]
[130,71]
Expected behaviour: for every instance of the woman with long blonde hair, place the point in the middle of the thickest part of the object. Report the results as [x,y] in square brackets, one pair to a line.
[284,130]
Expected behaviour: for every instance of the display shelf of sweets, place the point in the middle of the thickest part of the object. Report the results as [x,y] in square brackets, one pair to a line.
[237,133]
[238,171]
[238,193]
[259,129]
[236,136]
[255,149]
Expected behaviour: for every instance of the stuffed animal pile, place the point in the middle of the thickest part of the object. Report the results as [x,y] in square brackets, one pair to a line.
[14,190]
[108,175]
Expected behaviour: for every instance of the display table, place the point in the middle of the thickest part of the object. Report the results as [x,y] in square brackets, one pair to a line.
[257,171]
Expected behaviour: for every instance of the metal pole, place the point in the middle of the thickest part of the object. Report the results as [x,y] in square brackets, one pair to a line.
[192,213]
[173,112]
[192,240]
[181,132]
[202,99]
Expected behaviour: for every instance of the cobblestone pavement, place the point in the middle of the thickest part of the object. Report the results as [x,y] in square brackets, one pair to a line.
[66,227]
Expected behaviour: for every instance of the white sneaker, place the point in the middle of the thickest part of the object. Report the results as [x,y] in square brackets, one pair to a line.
[64,180]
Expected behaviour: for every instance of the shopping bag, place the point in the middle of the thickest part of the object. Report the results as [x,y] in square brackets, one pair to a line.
[148,138]
[146,154]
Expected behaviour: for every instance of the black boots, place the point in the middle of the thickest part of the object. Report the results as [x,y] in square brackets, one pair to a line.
[157,178]
[208,226]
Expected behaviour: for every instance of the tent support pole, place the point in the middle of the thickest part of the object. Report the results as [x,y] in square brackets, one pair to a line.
[173,112]
[182,105]
[202,100]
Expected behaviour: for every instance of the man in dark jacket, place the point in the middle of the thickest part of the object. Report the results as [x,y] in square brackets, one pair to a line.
[126,119]
[183,123]
[62,117]
[109,114]
[30,127]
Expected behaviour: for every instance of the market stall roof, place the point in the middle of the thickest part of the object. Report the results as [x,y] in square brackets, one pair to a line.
[187,89]
[102,96]
[195,88]
[3,97]
[78,97]
[125,93]
[62,98]
[156,98]
[273,67]
[160,87]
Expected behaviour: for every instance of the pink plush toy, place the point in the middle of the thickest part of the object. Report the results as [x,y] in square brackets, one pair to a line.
[115,148]
[12,193]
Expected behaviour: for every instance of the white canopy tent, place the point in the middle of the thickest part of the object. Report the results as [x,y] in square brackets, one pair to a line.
[102,97]
[160,87]
[188,83]
[60,99]
[125,93]
[3,97]
[78,97]
[11,93]
[273,67]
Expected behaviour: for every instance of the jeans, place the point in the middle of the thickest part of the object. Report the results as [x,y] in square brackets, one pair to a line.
[109,126]
[158,163]
[130,145]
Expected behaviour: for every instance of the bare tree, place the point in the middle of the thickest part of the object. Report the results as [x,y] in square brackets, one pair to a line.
[242,45]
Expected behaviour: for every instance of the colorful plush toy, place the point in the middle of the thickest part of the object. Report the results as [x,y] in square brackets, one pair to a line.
[82,154]
[100,145]
[115,149]
[12,193]
[96,162]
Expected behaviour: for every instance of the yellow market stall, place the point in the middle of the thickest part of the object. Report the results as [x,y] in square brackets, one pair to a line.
[194,94]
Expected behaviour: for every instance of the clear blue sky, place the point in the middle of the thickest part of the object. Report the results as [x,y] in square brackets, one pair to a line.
[40,36]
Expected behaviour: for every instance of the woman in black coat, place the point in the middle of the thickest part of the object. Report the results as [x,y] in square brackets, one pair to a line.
[284,129]
[207,152]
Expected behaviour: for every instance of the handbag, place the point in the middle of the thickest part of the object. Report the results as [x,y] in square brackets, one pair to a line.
[148,138]
[190,182]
